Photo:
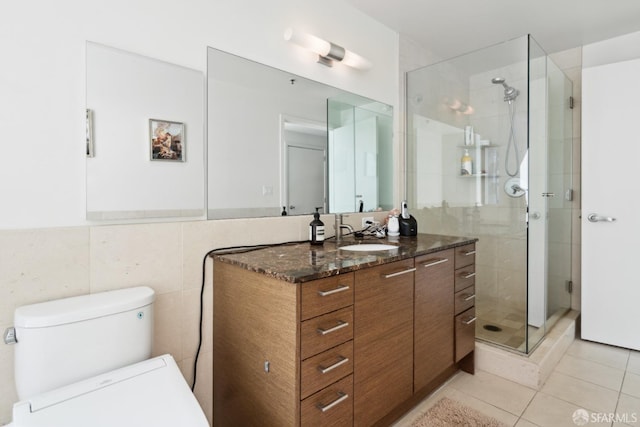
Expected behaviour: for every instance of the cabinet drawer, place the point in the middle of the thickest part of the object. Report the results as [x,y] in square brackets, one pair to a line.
[465,333]
[433,267]
[326,368]
[332,406]
[465,299]
[465,255]
[465,277]
[326,331]
[325,295]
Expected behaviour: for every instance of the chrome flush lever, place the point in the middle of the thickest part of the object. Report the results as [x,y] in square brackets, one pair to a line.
[10,335]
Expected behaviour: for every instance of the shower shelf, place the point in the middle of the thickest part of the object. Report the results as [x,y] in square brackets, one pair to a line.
[478,154]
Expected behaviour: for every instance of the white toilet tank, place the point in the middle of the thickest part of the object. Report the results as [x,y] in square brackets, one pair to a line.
[63,341]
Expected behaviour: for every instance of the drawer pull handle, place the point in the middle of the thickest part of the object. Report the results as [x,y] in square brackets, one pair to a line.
[341,324]
[469,321]
[469,297]
[466,275]
[436,261]
[473,252]
[342,396]
[340,362]
[340,288]
[399,273]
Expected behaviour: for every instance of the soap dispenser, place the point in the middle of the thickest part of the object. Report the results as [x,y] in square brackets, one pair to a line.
[316,229]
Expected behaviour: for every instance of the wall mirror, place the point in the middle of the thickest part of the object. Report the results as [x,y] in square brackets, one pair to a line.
[278,142]
[275,143]
[145,137]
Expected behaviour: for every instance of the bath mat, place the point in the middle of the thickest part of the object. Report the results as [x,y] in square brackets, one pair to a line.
[447,412]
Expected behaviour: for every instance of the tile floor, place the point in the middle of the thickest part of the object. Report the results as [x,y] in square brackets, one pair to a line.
[603,380]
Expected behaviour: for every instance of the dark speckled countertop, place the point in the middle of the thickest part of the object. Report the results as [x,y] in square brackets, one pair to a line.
[302,262]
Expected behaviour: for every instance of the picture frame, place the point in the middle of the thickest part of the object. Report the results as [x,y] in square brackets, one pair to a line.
[166,140]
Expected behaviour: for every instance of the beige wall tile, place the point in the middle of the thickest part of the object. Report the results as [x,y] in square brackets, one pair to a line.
[167,323]
[133,255]
[190,313]
[40,265]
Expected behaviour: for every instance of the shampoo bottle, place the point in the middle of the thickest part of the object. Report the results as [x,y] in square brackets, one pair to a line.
[316,229]
[466,164]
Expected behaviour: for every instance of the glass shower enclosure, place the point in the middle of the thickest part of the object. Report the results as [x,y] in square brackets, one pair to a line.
[489,155]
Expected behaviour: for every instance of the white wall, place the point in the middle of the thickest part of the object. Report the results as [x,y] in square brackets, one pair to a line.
[42,79]
[42,182]
[608,51]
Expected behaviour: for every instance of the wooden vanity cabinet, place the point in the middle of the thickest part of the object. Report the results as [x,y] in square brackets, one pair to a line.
[383,342]
[433,308]
[354,349]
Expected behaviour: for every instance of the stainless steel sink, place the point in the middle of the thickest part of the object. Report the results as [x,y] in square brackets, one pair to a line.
[369,247]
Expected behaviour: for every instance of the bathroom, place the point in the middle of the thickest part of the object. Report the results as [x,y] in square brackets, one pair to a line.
[49,250]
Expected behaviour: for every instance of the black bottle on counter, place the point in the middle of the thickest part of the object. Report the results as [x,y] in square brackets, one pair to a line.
[316,229]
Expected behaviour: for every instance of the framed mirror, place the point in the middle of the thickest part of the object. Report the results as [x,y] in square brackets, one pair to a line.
[282,144]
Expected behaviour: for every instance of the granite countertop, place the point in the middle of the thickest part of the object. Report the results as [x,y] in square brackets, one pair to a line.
[302,262]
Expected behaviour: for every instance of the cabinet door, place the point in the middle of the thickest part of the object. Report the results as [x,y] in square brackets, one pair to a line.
[433,317]
[383,340]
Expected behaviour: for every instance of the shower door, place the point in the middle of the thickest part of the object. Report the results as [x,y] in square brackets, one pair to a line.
[550,195]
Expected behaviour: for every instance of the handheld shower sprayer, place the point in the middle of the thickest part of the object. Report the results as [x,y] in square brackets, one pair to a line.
[510,93]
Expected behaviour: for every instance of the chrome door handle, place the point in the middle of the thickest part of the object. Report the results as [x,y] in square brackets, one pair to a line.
[597,218]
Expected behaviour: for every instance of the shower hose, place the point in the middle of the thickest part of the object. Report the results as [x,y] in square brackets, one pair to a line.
[512,142]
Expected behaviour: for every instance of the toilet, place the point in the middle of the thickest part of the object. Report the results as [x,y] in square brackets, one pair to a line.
[84,361]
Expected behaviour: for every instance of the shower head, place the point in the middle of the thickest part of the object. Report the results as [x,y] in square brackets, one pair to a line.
[510,93]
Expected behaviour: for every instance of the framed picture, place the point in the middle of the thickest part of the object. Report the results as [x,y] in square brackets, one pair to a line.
[166,140]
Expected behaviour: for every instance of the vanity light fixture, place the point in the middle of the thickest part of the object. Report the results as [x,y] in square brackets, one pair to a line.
[328,53]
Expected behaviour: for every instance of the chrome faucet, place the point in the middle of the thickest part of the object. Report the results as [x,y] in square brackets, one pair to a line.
[339,226]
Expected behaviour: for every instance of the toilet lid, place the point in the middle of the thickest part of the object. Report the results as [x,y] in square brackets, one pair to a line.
[149,393]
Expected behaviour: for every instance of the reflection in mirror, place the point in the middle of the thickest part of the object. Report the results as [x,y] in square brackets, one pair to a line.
[304,172]
[360,171]
[124,92]
[267,143]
